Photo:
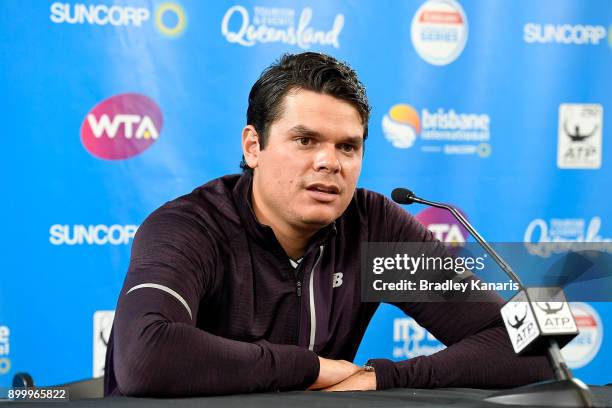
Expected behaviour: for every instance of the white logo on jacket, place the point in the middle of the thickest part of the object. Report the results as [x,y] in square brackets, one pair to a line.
[337,279]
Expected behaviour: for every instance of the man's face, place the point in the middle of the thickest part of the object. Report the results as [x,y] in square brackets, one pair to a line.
[306,175]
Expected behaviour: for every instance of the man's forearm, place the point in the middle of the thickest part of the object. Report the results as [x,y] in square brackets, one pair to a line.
[157,356]
[483,360]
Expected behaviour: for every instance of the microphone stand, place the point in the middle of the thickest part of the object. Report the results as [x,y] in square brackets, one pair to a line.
[565,390]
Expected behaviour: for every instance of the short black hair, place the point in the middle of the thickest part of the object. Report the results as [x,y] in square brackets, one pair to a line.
[310,71]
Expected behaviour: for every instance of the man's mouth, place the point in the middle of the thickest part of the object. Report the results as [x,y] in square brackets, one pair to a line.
[323,188]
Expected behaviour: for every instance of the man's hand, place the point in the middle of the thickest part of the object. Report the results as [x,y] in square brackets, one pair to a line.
[332,372]
[360,381]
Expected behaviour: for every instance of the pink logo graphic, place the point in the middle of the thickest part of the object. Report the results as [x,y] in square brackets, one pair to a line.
[121,126]
[443,225]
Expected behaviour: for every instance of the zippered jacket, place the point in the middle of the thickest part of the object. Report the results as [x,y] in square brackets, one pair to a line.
[211,304]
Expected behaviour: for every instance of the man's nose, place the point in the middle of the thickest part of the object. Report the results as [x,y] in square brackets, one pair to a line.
[326,159]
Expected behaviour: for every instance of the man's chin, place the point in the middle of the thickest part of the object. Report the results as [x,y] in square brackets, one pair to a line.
[318,221]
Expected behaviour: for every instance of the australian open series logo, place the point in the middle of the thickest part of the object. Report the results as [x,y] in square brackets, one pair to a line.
[584,348]
[121,127]
[442,131]
[439,31]
[579,143]
[265,25]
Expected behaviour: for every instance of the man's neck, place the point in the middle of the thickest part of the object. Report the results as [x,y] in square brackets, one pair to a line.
[293,240]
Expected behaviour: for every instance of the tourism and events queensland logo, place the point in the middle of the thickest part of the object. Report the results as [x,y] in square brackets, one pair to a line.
[121,126]
[559,235]
[264,25]
[441,131]
[439,31]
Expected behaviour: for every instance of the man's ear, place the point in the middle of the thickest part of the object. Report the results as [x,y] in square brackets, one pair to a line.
[250,146]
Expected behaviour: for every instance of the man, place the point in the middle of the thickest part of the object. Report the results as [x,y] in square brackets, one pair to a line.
[252,282]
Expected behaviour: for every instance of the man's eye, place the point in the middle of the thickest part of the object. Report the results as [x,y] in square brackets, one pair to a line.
[347,148]
[303,141]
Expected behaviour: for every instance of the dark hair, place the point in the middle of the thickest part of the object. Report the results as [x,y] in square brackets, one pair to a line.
[310,71]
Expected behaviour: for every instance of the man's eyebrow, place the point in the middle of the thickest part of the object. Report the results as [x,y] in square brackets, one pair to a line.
[301,130]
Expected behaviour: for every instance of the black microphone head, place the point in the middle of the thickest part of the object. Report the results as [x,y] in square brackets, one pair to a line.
[402,196]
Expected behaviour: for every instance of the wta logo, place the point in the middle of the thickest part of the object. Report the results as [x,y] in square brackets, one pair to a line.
[121,127]
[443,225]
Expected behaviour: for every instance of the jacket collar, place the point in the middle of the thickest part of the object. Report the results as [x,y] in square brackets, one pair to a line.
[263,234]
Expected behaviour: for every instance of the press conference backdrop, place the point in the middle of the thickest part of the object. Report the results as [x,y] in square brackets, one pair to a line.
[111,109]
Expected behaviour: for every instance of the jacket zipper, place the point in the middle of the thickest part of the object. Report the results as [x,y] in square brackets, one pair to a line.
[313,313]
[298,292]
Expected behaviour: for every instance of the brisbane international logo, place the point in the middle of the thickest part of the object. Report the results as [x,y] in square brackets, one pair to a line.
[121,126]
[442,131]
[401,126]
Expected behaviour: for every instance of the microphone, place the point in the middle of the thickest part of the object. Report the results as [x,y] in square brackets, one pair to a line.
[402,196]
[530,326]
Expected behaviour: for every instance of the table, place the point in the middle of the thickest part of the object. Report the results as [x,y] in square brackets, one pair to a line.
[407,397]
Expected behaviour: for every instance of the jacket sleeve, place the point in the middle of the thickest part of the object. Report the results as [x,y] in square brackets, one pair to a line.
[157,348]
[478,353]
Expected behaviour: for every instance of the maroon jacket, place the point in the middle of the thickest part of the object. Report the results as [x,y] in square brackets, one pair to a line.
[211,305]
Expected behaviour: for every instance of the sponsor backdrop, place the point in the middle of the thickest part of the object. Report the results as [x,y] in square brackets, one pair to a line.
[112,108]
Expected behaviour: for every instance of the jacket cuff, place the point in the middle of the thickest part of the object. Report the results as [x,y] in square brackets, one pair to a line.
[385,373]
[298,368]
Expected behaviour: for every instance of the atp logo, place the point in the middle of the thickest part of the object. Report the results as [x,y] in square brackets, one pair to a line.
[579,143]
[519,318]
[121,127]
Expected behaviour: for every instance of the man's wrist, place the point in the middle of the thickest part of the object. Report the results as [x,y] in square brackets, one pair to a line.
[369,367]
[384,371]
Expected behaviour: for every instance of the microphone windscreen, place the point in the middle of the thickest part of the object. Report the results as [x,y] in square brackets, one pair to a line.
[402,196]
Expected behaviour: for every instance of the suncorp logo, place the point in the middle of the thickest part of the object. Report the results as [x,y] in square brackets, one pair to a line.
[121,127]
[577,34]
[441,131]
[443,225]
[170,18]
[100,234]
[277,25]
[439,31]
